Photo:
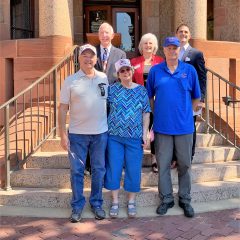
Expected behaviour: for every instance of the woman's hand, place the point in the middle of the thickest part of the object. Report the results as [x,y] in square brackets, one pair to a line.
[144,140]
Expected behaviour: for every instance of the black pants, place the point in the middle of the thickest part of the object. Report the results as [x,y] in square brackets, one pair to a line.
[88,165]
[194,136]
[194,140]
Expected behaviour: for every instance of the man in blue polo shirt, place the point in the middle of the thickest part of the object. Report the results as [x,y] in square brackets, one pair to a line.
[174,91]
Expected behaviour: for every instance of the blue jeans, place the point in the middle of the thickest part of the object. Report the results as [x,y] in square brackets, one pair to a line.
[80,144]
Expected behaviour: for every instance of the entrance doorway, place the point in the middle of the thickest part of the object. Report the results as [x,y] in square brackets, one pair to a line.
[122,15]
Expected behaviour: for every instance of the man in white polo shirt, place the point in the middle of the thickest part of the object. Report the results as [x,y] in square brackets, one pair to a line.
[84,94]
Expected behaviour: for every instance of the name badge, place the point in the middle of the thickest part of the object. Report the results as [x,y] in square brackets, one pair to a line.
[137,66]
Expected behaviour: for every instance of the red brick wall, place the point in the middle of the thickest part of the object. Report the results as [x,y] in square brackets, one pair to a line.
[224,59]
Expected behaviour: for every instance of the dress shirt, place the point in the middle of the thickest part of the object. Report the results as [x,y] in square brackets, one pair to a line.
[102,51]
[182,51]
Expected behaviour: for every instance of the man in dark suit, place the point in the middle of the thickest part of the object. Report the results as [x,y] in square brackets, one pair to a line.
[107,54]
[194,57]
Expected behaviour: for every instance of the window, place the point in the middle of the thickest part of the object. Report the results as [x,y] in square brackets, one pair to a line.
[22,16]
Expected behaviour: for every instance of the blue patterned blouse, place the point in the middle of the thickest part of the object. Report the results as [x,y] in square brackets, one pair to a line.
[126,108]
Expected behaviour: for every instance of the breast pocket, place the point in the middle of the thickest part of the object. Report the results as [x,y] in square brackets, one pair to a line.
[102,90]
[183,84]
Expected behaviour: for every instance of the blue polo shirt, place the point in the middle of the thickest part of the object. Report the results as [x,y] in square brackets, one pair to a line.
[173,114]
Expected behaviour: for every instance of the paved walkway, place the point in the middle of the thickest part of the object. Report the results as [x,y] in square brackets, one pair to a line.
[223,225]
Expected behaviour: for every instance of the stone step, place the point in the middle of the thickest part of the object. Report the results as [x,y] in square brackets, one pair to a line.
[202,155]
[203,140]
[200,173]
[142,212]
[60,178]
[60,198]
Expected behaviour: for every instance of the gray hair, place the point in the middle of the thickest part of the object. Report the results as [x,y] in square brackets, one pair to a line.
[106,25]
[146,37]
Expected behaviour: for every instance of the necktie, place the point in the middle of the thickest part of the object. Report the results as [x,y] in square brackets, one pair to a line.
[104,59]
[182,51]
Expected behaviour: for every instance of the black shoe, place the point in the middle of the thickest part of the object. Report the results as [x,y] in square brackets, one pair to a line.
[99,213]
[187,208]
[154,168]
[163,207]
[76,217]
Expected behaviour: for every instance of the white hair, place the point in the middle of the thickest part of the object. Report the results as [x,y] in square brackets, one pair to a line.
[146,37]
[106,25]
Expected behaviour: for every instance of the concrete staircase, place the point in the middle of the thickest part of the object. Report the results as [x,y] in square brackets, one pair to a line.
[45,181]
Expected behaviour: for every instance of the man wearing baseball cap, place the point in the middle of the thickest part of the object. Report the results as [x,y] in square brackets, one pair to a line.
[84,94]
[173,89]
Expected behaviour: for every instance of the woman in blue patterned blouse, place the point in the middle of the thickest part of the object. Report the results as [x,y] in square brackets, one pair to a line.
[128,123]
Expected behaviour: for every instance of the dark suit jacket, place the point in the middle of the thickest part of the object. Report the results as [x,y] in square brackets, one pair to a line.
[195,58]
[114,55]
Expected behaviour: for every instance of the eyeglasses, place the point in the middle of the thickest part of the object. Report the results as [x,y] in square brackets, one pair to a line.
[125,70]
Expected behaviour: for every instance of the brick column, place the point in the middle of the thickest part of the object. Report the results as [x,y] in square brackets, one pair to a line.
[55,18]
[234,75]
[78,21]
[226,20]
[194,14]
[4,20]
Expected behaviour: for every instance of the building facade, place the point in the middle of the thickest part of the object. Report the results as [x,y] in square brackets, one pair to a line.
[35,34]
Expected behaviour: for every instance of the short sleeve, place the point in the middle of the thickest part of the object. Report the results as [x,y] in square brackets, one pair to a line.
[150,83]
[196,93]
[65,92]
[146,104]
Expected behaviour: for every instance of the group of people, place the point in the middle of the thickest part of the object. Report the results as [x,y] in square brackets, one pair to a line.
[111,101]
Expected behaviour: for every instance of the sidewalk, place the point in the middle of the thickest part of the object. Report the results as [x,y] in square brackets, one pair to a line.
[223,225]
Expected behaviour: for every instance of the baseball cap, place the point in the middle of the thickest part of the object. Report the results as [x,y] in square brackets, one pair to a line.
[122,63]
[171,41]
[87,46]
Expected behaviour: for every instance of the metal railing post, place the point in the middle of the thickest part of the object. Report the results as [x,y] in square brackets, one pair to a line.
[7,150]
[207,109]
[55,102]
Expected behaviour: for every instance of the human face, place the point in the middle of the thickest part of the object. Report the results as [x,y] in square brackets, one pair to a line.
[105,36]
[87,60]
[183,34]
[171,52]
[147,47]
[125,74]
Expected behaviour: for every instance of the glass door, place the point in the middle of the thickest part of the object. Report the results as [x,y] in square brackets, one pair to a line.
[95,16]
[125,22]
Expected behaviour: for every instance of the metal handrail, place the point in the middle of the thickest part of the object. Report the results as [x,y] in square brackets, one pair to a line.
[41,78]
[31,116]
[221,112]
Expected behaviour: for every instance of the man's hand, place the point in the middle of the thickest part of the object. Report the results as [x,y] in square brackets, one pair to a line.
[62,116]
[64,142]
[199,106]
[196,105]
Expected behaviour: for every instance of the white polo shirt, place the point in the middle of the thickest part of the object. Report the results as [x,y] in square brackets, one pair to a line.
[87,107]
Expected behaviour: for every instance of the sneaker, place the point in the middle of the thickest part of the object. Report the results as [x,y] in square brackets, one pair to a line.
[76,216]
[99,213]
[163,207]
[187,208]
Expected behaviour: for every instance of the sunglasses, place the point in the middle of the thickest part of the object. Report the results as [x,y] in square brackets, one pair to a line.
[125,70]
